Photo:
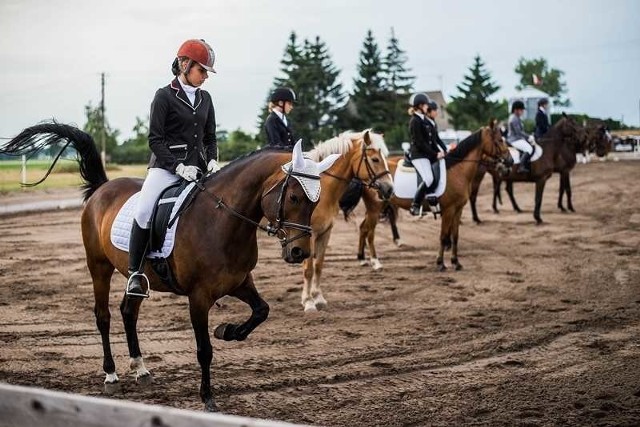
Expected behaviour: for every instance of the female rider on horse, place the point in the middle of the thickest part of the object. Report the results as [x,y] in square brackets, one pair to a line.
[517,137]
[426,147]
[277,126]
[182,138]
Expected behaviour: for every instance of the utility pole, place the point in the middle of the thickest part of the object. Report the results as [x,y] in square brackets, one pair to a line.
[103,154]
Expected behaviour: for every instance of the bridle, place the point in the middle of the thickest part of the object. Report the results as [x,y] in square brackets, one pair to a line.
[373,177]
[277,227]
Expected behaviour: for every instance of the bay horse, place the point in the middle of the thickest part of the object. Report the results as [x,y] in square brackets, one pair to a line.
[362,157]
[484,146]
[215,248]
[560,145]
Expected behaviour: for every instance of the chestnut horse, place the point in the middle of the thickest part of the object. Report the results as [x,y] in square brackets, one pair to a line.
[560,145]
[484,146]
[363,157]
[215,248]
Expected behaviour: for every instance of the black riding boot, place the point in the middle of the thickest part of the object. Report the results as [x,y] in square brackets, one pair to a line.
[416,205]
[525,163]
[138,244]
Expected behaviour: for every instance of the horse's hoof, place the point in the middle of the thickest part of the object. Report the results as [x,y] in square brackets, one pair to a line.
[563,210]
[144,380]
[518,210]
[376,265]
[112,388]
[442,267]
[210,406]
[310,307]
[220,330]
[319,302]
[458,267]
[399,243]
[363,263]
[572,210]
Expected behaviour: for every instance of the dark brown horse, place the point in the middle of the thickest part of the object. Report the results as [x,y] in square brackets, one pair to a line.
[485,145]
[560,145]
[215,248]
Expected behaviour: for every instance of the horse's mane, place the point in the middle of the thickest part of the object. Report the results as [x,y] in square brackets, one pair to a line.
[342,143]
[240,161]
[463,148]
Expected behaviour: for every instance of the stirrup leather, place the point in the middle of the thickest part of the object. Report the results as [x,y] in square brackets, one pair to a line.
[137,294]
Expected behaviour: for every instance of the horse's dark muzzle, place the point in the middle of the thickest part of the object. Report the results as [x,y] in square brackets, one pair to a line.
[295,256]
[385,190]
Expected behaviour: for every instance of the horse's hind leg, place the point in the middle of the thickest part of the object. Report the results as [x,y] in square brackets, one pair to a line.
[362,238]
[392,212]
[369,225]
[130,308]
[199,306]
[561,193]
[512,197]
[455,228]
[259,312]
[322,242]
[567,188]
[101,271]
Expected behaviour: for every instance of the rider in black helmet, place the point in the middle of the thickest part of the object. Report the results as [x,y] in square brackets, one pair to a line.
[424,148]
[517,137]
[277,125]
[542,119]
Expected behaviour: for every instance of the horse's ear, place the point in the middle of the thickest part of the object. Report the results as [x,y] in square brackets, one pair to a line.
[327,162]
[297,157]
[367,137]
[492,123]
[564,115]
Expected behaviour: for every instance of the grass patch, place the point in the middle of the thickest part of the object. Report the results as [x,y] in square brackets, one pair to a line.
[65,174]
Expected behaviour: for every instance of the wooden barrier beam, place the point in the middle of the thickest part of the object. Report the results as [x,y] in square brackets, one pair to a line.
[36,407]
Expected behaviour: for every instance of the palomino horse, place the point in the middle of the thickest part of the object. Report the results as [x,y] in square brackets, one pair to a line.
[560,145]
[363,157]
[215,248]
[484,146]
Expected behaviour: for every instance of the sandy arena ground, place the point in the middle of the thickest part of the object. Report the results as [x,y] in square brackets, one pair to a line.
[542,327]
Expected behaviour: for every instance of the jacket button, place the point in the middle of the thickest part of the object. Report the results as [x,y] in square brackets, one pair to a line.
[194,113]
[195,124]
[195,136]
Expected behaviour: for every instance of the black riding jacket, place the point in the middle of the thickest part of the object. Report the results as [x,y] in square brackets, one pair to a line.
[424,139]
[278,134]
[542,124]
[180,132]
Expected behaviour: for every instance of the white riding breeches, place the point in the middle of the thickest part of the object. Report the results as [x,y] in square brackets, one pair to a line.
[157,180]
[423,167]
[522,145]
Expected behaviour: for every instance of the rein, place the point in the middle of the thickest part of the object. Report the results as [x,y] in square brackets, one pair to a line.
[280,224]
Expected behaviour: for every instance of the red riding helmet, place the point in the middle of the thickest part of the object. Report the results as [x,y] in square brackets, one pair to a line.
[198,51]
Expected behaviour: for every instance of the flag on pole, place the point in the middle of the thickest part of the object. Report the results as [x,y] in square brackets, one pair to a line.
[536,80]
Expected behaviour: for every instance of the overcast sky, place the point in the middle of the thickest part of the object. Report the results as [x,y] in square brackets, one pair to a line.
[53,51]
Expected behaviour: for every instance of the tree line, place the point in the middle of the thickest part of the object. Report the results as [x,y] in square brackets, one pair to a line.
[378,98]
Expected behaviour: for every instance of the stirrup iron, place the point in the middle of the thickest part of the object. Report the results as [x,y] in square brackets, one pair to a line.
[137,294]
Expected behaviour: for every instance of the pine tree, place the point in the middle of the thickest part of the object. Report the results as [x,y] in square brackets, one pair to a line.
[368,107]
[310,72]
[398,84]
[473,108]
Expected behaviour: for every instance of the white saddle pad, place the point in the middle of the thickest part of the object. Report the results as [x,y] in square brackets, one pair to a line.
[405,181]
[515,154]
[121,228]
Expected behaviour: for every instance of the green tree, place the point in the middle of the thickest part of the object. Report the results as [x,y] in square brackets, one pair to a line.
[93,127]
[550,79]
[473,107]
[237,144]
[398,83]
[369,101]
[309,71]
[134,150]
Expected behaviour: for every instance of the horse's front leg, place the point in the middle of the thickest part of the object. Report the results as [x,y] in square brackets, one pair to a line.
[540,183]
[362,240]
[455,228]
[199,306]
[561,193]
[322,242]
[247,293]
[368,226]
[497,197]
[392,212]
[567,189]
[512,197]
[130,309]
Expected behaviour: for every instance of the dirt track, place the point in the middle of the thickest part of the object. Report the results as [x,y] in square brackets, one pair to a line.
[542,327]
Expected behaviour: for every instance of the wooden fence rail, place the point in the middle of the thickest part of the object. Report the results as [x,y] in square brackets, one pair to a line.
[35,407]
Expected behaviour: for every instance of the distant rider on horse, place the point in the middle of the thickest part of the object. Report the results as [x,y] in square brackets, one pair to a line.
[542,119]
[278,126]
[182,138]
[517,138]
[426,146]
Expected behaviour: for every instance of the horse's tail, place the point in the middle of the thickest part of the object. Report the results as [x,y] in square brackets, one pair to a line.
[351,198]
[36,138]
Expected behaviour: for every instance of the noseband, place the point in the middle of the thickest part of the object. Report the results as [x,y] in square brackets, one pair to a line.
[276,228]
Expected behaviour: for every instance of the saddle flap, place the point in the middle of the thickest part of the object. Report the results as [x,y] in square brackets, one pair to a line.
[162,217]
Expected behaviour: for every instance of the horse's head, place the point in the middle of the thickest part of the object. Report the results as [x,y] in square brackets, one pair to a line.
[288,200]
[572,133]
[369,164]
[599,140]
[495,148]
